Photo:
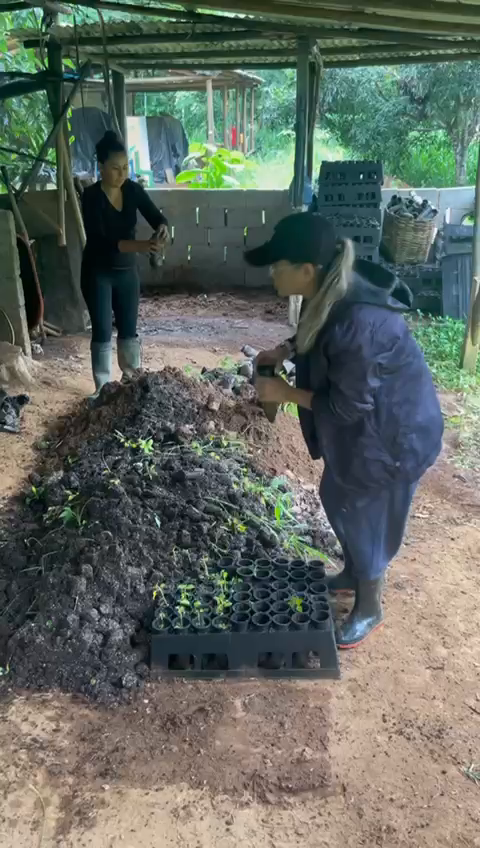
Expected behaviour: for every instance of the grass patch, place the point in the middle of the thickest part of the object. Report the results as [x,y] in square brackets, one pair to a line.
[473,773]
[441,340]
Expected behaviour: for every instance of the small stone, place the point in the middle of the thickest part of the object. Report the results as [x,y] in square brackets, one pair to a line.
[246,370]
[129,680]
[86,571]
[185,539]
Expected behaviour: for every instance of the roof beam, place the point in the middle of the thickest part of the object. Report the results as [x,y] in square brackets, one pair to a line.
[463,11]
[404,60]
[211,66]
[151,38]
[308,12]
[281,53]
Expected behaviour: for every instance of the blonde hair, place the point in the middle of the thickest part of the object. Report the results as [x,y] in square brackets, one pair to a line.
[331,289]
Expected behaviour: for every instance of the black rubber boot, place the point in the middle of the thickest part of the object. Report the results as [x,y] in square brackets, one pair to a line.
[129,353]
[366,616]
[343,583]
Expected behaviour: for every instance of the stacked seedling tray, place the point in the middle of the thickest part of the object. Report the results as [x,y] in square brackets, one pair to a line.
[350,195]
[264,618]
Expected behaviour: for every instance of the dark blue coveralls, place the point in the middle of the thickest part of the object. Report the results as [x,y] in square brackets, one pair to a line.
[375,420]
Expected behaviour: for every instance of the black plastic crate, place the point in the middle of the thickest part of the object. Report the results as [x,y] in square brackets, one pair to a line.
[362,226]
[278,624]
[351,172]
[350,195]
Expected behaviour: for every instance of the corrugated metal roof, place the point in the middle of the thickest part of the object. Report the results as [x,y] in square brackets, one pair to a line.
[230,42]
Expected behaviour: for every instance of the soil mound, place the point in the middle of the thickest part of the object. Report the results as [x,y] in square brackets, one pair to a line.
[148,489]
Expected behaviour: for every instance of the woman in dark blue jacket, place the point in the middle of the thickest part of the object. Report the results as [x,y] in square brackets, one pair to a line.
[367,403]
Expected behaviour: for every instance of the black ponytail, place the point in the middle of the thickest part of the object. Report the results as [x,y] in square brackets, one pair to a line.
[108,144]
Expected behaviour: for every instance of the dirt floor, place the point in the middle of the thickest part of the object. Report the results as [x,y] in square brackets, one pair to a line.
[375,759]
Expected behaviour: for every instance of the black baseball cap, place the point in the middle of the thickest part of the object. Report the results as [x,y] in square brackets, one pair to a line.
[302,237]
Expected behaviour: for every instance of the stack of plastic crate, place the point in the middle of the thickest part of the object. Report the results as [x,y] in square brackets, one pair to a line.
[349,195]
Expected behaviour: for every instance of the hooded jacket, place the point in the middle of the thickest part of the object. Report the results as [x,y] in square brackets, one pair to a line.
[375,416]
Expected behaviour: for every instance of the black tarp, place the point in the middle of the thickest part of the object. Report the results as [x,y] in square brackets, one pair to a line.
[167,142]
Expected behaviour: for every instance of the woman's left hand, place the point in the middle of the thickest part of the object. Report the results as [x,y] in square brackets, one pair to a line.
[272,390]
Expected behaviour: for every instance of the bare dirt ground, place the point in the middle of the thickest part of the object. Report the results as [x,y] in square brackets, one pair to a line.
[375,759]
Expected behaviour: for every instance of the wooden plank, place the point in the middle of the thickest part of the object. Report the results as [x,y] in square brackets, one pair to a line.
[120,102]
[245,122]
[301,121]
[237,117]
[55,97]
[225,118]
[210,113]
[252,119]
[404,60]
[471,342]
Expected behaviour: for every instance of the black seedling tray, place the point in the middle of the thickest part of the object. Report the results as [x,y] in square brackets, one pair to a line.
[351,172]
[267,635]
[360,195]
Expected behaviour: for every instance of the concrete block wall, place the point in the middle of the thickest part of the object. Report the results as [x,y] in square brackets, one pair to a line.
[210,231]
[12,300]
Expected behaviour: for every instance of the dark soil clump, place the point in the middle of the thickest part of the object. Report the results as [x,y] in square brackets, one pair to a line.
[147,488]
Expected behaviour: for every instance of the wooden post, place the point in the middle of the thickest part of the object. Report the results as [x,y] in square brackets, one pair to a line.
[301,122]
[225,118]
[210,113]
[313,92]
[120,103]
[54,53]
[252,119]
[245,122]
[237,117]
[471,342]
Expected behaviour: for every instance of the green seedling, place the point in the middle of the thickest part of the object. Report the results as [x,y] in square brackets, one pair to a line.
[296,604]
[35,494]
[185,594]
[181,615]
[4,670]
[236,525]
[144,445]
[159,593]
[223,604]
[200,611]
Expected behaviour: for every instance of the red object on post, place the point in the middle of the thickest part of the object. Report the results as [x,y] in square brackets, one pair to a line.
[234,138]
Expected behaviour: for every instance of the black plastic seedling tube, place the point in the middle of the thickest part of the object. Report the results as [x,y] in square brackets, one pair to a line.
[301,620]
[318,588]
[182,626]
[241,607]
[300,587]
[245,571]
[240,621]
[320,606]
[279,585]
[261,607]
[316,565]
[281,574]
[241,597]
[261,594]
[263,563]
[202,628]
[297,563]
[281,562]
[262,574]
[220,624]
[281,622]
[205,593]
[227,564]
[240,586]
[261,621]
[245,563]
[280,608]
[298,574]
[321,620]
[280,595]
[317,575]
[161,624]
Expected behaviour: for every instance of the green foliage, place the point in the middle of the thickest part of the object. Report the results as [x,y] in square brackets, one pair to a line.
[441,340]
[208,166]
[419,120]
[24,121]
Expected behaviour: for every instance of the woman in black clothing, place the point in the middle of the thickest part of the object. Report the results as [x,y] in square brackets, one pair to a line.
[109,276]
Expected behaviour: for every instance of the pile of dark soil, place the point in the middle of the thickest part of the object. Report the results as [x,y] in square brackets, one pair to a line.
[146,488]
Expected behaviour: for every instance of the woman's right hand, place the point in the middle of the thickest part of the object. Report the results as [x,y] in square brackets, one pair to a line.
[150,246]
[270,357]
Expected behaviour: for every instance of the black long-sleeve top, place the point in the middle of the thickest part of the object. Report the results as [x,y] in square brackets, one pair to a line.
[105,226]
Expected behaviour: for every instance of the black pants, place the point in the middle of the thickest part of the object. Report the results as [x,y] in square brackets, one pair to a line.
[369,526]
[106,290]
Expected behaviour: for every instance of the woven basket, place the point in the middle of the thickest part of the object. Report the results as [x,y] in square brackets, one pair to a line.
[406,241]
